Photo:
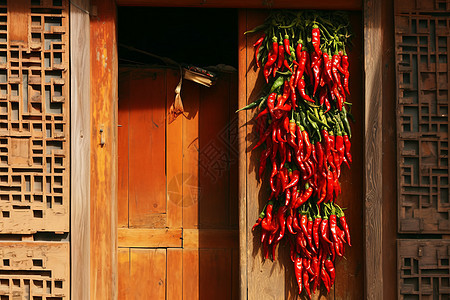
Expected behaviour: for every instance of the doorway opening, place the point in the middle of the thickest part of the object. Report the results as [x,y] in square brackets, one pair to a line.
[178,182]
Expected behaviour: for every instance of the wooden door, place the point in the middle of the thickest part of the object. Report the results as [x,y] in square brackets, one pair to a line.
[177,202]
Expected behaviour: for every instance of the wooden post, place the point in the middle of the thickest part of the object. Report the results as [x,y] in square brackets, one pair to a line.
[104,82]
[80,145]
[373,149]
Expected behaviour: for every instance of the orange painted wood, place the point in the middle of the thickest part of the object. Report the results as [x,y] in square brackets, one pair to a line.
[103,211]
[18,14]
[325,4]
[214,179]
[148,273]
[174,150]
[174,274]
[191,99]
[207,119]
[147,148]
[215,273]
[149,238]
[123,146]
[123,276]
[190,274]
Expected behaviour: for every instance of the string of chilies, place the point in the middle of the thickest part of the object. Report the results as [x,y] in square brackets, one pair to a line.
[302,122]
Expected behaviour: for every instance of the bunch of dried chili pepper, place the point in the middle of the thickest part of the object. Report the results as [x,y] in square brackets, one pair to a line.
[302,122]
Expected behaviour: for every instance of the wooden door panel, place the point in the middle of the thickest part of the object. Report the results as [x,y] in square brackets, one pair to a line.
[214,158]
[177,229]
[148,273]
[147,132]
[191,100]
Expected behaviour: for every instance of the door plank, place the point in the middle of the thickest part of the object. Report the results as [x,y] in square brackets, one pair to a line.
[148,273]
[123,274]
[174,148]
[215,273]
[147,147]
[174,274]
[149,238]
[190,275]
[122,148]
[190,95]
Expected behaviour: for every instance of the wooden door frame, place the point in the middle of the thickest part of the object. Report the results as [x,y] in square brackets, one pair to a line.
[94,198]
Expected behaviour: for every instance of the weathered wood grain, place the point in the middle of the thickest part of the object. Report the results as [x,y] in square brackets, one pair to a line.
[174,150]
[389,235]
[149,238]
[80,146]
[373,163]
[174,289]
[18,15]
[103,91]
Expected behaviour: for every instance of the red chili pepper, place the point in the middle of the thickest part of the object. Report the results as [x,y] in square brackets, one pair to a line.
[327,63]
[263,138]
[308,68]
[282,222]
[289,221]
[304,197]
[316,225]
[286,64]
[301,68]
[280,56]
[295,179]
[310,234]
[333,223]
[307,143]
[331,270]
[347,146]
[316,69]
[302,91]
[287,45]
[306,282]
[325,278]
[343,222]
[258,222]
[299,273]
[334,69]
[316,39]
[258,45]
[324,230]
[271,59]
[316,267]
[346,74]
[298,50]
[263,161]
[295,223]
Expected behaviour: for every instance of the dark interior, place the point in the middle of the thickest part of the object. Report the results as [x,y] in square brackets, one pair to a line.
[185,35]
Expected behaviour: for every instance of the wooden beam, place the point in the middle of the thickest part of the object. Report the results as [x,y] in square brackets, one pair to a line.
[373,41]
[242,156]
[80,146]
[104,91]
[150,238]
[291,4]
[209,238]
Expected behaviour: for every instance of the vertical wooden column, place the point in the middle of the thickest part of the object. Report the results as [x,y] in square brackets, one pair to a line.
[104,69]
[80,148]
[373,162]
